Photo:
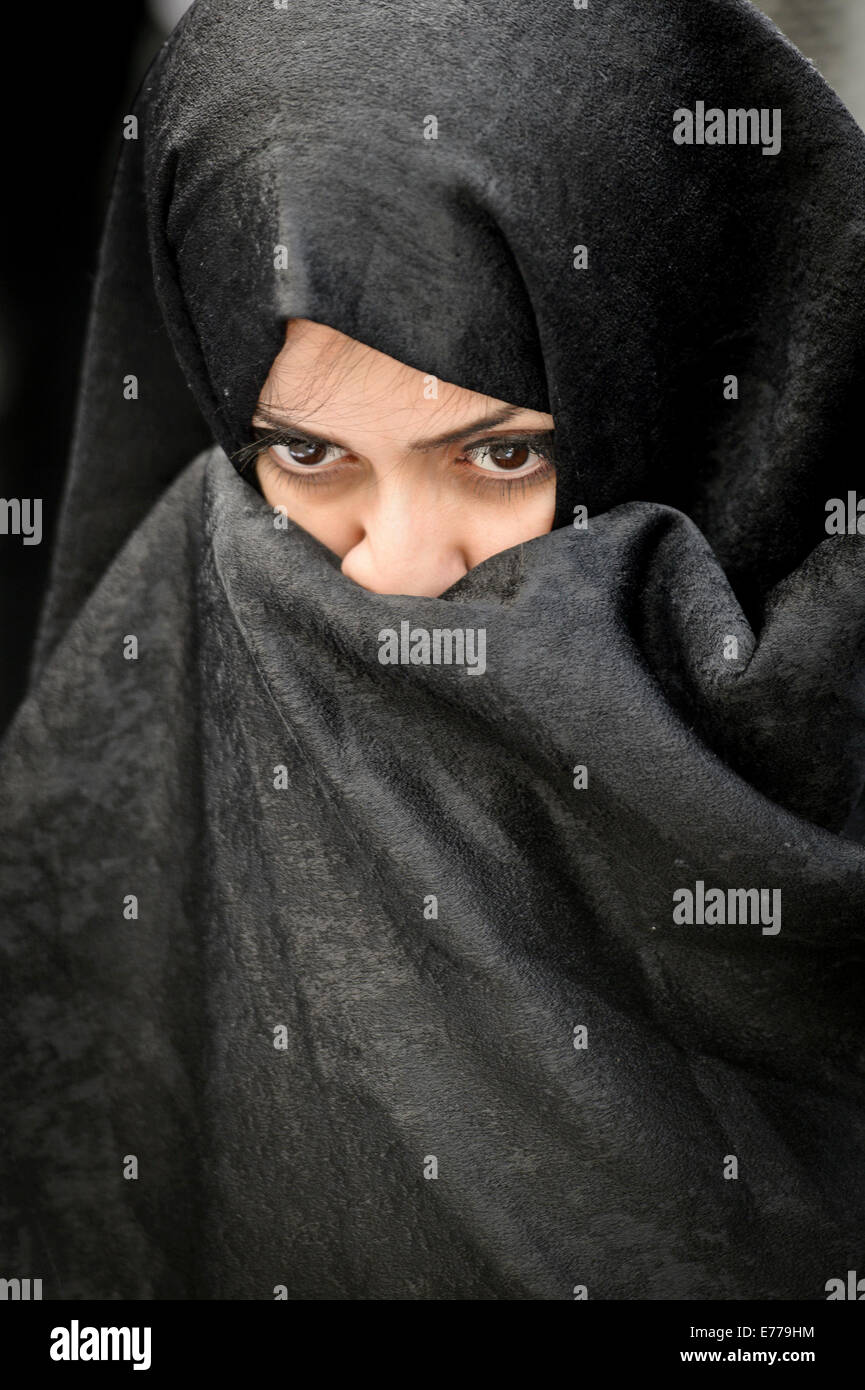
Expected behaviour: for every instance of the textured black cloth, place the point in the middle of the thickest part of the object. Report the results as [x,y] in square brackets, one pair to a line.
[285,1038]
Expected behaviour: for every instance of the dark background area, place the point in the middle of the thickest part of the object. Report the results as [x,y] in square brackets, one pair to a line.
[71,75]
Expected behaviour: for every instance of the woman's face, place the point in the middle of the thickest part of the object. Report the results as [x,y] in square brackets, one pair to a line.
[410,480]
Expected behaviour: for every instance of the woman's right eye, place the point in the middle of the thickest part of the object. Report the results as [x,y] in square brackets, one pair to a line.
[306,453]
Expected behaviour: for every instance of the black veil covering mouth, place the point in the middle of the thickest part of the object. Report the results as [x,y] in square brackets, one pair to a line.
[323,976]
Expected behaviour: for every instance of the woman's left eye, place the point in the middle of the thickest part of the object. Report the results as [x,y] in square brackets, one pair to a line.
[506,456]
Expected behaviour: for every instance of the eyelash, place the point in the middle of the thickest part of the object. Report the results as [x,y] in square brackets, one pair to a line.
[506,487]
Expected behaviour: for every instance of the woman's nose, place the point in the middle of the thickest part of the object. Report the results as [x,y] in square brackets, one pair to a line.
[408,544]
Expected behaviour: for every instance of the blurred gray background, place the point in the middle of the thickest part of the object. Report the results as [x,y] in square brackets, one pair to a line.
[832,34]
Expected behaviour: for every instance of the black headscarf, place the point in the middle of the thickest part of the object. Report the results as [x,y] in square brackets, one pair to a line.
[288,814]
[305,128]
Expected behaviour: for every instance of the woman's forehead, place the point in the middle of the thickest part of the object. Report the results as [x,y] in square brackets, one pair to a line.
[323,368]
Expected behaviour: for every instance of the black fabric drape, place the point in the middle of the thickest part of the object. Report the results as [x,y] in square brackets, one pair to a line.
[283,807]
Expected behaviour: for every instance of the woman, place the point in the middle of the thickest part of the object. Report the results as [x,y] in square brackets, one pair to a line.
[430,479]
[333,970]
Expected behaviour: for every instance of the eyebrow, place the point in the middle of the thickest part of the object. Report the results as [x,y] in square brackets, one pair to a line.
[278,420]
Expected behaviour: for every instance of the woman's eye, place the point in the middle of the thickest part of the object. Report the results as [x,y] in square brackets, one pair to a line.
[509,456]
[307,453]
